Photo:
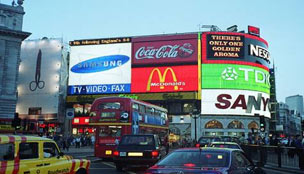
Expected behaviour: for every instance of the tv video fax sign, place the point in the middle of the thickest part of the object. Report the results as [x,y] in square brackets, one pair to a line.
[165,79]
[225,46]
[233,76]
[235,102]
[100,69]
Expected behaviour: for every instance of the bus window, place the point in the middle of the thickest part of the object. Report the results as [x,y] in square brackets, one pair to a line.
[135,107]
[150,111]
[142,109]
[110,131]
[109,105]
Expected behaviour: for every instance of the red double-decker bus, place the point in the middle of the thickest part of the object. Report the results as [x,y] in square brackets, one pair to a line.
[117,116]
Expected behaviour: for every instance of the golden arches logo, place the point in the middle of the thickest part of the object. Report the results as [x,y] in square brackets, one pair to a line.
[162,78]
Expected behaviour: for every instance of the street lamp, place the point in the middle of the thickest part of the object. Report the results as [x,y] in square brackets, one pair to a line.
[195,115]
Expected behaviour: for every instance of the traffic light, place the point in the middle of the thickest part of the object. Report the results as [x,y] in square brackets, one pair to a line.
[262,124]
[16,123]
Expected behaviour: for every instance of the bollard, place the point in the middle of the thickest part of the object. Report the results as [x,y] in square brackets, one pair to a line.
[279,156]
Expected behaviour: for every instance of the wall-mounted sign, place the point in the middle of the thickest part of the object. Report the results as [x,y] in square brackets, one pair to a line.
[41,73]
[174,50]
[165,79]
[235,48]
[254,30]
[144,97]
[233,76]
[225,46]
[100,69]
[100,41]
[235,102]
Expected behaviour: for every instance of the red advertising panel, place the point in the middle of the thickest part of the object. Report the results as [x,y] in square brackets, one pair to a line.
[173,50]
[165,79]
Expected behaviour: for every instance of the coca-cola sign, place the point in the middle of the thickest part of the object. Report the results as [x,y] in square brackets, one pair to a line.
[170,52]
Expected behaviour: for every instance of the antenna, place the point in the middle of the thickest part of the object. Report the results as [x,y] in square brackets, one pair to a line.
[212,27]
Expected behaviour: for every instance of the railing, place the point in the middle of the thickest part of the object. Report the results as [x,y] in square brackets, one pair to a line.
[278,156]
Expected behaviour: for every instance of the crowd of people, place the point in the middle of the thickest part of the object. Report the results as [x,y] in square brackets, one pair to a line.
[77,141]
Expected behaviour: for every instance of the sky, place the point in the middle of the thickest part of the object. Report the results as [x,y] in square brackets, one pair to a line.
[281,24]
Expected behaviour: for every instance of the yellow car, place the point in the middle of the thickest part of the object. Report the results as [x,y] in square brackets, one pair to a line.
[36,155]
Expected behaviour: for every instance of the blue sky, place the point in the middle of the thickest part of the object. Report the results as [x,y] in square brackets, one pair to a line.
[281,23]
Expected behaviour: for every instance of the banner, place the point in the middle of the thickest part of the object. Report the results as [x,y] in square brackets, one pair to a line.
[234,48]
[235,102]
[165,50]
[165,79]
[233,76]
[100,69]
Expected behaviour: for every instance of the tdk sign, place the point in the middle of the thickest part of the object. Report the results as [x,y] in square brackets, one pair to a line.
[100,64]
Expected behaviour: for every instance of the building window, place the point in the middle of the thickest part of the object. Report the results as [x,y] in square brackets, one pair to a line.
[235,125]
[2,20]
[175,108]
[253,125]
[214,124]
[35,111]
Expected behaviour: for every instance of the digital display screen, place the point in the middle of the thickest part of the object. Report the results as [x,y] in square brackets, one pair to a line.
[165,79]
[233,76]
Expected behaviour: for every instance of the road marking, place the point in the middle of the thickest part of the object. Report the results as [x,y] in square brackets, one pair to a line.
[101,168]
[109,164]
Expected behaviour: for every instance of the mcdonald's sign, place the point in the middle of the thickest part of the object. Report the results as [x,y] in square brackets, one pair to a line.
[165,79]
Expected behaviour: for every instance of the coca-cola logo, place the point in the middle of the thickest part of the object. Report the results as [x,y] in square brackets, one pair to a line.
[165,51]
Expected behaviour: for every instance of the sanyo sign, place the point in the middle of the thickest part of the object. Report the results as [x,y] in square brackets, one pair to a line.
[235,102]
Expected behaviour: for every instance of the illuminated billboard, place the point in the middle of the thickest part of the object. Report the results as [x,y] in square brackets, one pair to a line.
[173,49]
[165,79]
[42,74]
[234,76]
[234,102]
[100,69]
[235,48]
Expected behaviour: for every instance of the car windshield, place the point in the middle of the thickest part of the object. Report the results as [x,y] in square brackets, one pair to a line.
[208,140]
[232,146]
[196,159]
[137,140]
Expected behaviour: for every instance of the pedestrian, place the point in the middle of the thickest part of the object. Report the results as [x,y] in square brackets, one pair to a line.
[77,141]
[299,151]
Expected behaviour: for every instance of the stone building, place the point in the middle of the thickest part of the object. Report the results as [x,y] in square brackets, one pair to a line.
[11,36]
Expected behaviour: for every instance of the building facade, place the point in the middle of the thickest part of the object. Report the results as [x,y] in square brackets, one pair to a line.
[289,121]
[43,84]
[11,36]
[222,75]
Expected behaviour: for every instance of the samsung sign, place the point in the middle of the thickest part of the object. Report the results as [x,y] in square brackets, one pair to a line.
[100,69]
[99,64]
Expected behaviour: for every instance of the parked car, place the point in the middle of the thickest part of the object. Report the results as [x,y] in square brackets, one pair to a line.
[30,154]
[138,151]
[205,141]
[230,139]
[231,145]
[206,160]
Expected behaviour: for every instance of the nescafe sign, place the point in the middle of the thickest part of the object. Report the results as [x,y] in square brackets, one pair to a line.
[158,52]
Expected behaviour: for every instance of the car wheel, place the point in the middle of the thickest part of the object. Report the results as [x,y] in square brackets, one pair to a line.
[118,167]
[81,171]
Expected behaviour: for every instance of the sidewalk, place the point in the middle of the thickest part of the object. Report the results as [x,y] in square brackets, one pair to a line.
[284,169]
[85,149]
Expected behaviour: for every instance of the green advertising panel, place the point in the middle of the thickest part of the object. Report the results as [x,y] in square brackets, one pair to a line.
[232,76]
